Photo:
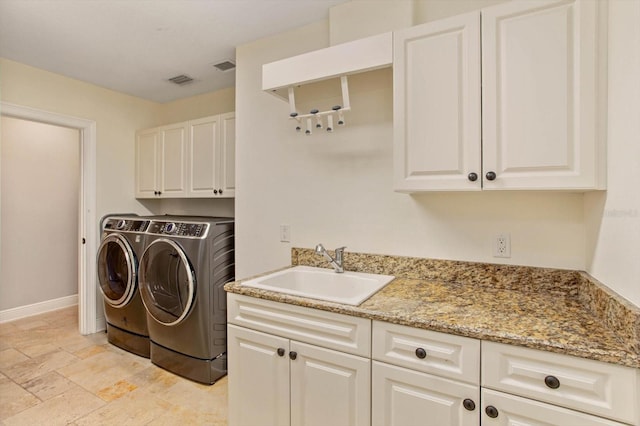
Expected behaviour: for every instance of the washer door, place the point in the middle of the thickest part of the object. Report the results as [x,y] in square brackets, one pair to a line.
[116,270]
[167,282]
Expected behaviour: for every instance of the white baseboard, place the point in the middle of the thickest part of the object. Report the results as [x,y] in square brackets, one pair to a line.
[38,308]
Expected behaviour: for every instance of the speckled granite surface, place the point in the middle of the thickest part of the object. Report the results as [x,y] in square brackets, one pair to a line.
[555,310]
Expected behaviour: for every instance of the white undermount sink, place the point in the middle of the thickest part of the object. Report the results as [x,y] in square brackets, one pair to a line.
[349,288]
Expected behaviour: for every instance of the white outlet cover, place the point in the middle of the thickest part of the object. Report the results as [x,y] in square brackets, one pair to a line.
[501,245]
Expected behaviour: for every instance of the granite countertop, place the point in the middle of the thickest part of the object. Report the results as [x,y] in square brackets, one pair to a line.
[552,318]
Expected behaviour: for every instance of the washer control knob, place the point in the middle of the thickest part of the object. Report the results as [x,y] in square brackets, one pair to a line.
[170,228]
[120,224]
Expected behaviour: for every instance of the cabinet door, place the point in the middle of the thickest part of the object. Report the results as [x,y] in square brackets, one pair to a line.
[204,156]
[402,397]
[258,378]
[436,85]
[173,156]
[227,169]
[509,410]
[539,86]
[329,387]
[147,171]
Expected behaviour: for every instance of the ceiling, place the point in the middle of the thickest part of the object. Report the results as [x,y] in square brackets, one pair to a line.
[135,46]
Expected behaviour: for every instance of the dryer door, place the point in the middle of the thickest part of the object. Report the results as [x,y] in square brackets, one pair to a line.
[117,268]
[167,282]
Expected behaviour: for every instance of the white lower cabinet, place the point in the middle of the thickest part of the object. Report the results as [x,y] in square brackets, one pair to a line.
[276,379]
[403,397]
[291,365]
[424,378]
[503,409]
[555,389]
[328,387]
[258,378]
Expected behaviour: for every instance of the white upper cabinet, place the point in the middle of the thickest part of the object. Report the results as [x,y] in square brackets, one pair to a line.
[212,157]
[541,116]
[160,162]
[436,86]
[540,86]
[172,170]
[147,163]
[192,159]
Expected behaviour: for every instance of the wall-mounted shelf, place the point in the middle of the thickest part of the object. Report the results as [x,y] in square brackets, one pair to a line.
[354,57]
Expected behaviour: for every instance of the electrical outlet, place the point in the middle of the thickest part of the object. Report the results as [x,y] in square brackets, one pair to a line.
[502,245]
[285,233]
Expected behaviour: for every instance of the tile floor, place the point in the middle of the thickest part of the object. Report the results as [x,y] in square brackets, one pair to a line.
[52,375]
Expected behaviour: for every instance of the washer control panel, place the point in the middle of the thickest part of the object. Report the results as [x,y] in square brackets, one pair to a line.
[126,225]
[179,229]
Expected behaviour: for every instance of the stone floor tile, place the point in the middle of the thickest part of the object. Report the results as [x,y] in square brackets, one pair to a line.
[117,390]
[14,399]
[64,384]
[10,357]
[89,351]
[24,371]
[49,385]
[135,408]
[59,410]
[102,370]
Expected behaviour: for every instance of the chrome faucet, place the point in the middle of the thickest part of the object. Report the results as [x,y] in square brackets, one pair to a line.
[337,262]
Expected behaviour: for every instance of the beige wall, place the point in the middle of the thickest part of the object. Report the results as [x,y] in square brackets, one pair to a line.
[40,188]
[337,188]
[117,117]
[613,218]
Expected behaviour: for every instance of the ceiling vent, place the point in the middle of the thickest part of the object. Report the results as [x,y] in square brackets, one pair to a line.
[181,80]
[225,65]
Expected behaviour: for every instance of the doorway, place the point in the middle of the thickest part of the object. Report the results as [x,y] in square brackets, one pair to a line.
[87,222]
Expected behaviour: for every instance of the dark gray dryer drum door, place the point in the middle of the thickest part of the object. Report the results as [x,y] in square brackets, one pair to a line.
[117,268]
[167,282]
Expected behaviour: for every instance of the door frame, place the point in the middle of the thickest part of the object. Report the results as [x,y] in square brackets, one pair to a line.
[87,226]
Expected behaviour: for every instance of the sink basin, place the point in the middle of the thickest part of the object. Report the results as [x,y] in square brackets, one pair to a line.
[349,288]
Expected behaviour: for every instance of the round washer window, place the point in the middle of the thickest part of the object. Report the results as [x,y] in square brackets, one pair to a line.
[116,270]
[167,282]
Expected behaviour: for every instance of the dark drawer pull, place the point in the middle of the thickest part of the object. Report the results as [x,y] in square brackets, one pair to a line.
[280,351]
[491,411]
[421,353]
[552,382]
[469,404]
[293,355]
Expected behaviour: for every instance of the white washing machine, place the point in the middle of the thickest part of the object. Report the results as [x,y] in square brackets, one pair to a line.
[185,265]
[122,244]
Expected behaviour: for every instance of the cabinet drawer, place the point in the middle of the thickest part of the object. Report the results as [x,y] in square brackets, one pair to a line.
[441,354]
[327,329]
[513,410]
[594,387]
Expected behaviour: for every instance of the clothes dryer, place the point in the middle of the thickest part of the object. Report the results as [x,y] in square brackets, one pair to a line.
[122,244]
[185,265]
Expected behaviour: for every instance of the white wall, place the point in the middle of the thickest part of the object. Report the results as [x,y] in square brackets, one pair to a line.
[40,199]
[613,218]
[117,118]
[337,188]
